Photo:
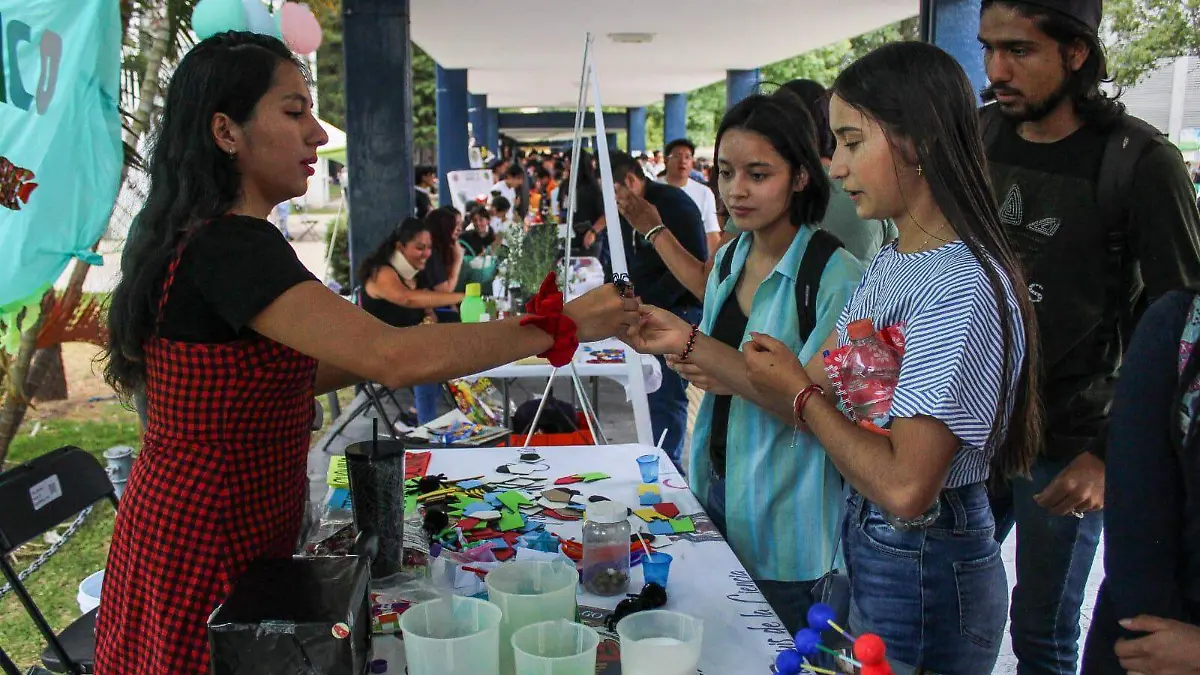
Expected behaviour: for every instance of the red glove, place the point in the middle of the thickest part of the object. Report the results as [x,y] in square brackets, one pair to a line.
[545,310]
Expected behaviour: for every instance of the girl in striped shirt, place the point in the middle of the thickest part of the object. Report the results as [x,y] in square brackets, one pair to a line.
[925,570]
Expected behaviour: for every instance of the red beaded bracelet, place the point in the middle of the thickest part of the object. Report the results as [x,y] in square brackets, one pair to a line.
[691,343]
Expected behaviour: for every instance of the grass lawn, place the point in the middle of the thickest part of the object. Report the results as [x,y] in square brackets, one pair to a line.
[55,585]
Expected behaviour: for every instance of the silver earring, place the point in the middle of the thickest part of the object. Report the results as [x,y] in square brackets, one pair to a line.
[232,153]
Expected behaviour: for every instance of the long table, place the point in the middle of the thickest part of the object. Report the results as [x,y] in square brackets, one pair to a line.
[742,634]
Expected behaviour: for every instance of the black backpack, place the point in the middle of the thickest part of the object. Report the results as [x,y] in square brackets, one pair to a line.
[1129,139]
[821,248]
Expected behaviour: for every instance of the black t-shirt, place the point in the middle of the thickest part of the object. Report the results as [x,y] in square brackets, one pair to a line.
[1048,202]
[729,328]
[478,242]
[649,274]
[230,270]
[393,314]
[434,273]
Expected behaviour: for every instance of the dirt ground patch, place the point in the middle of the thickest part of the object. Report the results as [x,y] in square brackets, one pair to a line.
[89,398]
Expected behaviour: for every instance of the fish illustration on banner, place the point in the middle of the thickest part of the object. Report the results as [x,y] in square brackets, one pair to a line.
[60,146]
[15,185]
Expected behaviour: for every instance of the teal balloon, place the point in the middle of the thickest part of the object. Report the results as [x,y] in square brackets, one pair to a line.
[217,16]
[259,19]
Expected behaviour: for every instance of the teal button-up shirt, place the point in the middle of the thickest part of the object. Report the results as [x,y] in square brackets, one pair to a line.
[783,501]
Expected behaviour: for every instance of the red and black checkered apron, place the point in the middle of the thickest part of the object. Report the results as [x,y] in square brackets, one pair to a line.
[220,482]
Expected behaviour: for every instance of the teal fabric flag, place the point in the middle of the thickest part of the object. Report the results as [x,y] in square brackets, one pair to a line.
[60,144]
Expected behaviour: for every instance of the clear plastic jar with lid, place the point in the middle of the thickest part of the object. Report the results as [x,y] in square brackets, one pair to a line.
[606,535]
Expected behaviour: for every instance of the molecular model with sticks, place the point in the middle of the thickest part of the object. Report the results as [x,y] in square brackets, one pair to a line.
[869,650]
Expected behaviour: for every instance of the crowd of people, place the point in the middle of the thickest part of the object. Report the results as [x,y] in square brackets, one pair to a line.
[1012,249]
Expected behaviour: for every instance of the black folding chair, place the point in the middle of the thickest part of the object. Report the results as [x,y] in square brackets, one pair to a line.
[34,498]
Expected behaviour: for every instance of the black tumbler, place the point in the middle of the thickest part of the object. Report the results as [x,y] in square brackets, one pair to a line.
[376,470]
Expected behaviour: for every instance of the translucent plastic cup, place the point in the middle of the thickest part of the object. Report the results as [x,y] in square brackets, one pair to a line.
[530,591]
[656,567]
[648,465]
[658,642]
[458,636]
[555,648]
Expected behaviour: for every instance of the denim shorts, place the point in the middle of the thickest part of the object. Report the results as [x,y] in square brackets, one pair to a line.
[938,596]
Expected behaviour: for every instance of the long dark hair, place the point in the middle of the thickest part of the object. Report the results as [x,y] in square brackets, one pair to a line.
[1083,86]
[787,126]
[382,255]
[191,181]
[441,222]
[921,96]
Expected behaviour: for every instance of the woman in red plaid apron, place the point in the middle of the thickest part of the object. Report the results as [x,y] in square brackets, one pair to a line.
[229,337]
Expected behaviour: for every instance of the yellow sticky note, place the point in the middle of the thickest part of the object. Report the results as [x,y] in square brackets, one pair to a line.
[649,515]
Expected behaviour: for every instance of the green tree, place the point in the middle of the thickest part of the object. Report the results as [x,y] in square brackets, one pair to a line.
[706,105]
[1143,32]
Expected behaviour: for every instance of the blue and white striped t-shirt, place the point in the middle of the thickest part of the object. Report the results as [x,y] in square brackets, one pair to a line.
[953,350]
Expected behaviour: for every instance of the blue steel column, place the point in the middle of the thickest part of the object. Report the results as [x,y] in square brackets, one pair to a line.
[451,127]
[377,53]
[674,117]
[493,130]
[953,25]
[738,85]
[636,128]
[479,119]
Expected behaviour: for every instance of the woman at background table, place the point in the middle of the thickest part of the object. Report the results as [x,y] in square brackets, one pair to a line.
[393,292]
[925,570]
[444,266]
[231,337]
[773,493]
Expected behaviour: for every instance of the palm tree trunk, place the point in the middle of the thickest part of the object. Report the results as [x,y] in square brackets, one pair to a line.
[12,411]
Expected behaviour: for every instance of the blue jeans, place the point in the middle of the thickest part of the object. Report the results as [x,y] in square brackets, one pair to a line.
[1054,558]
[669,405]
[427,396]
[789,599]
[936,595]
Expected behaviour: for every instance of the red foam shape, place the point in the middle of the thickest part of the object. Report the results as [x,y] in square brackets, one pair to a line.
[870,649]
[511,537]
[468,523]
[568,480]
[415,464]
[506,553]
[667,509]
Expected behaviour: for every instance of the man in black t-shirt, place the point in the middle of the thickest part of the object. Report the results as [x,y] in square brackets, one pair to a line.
[426,179]
[1046,137]
[656,285]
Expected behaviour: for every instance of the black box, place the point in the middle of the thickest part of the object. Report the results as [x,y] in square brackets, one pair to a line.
[295,616]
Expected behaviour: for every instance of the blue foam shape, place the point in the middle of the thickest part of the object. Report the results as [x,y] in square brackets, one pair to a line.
[531,527]
[493,498]
[497,543]
[339,498]
[660,527]
[469,484]
[650,499]
[476,507]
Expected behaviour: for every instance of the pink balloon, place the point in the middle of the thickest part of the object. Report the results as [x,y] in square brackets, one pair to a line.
[301,30]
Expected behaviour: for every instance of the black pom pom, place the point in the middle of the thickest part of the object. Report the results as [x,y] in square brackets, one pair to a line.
[436,520]
[654,595]
[429,484]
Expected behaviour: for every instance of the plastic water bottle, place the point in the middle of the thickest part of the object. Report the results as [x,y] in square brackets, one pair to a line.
[472,306]
[869,374]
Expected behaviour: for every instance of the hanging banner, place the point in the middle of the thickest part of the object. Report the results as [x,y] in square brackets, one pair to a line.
[60,144]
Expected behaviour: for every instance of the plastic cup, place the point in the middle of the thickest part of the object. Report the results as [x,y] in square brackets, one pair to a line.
[648,465]
[656,567]
[659,642]
[555,648]
[456,636]
[530,591]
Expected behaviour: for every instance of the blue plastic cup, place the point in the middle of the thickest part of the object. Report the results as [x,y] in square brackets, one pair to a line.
[656,567]
[648,465]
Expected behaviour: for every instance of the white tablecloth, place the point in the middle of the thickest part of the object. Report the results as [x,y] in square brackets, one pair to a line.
[742,634]
[619,372]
